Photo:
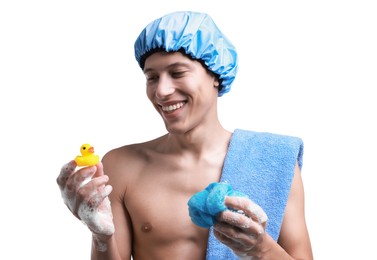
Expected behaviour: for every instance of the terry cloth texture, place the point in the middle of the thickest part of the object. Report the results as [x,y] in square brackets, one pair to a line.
[205,205]
[197,35]
[260,165]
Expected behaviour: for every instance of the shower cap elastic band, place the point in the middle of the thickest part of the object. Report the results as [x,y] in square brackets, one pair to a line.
[198,36]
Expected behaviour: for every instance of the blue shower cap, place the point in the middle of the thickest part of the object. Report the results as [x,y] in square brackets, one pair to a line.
[198,36]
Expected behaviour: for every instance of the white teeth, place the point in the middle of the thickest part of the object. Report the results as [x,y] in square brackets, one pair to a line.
[173,107]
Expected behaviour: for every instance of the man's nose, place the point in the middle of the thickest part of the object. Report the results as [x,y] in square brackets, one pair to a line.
[165,87]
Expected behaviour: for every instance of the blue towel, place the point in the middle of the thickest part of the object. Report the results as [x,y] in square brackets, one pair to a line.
[260,165]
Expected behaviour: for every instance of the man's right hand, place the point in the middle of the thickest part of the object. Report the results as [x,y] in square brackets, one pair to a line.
[86,195]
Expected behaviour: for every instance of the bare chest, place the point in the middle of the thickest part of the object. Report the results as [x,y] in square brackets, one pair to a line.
[157,204]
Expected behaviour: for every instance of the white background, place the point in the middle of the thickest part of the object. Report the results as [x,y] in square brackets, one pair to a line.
[68,76]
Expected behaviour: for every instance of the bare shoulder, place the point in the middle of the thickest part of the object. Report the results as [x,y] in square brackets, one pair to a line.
[131,152]
[123,164]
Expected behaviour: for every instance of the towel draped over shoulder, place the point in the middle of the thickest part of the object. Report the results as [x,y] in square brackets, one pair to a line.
[261,165]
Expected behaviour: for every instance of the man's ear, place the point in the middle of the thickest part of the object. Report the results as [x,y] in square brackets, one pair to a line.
[217,83]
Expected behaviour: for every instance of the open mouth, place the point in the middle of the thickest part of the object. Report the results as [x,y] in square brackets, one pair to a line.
[172,108]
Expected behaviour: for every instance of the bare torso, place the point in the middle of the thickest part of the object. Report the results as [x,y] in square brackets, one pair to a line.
[154,184]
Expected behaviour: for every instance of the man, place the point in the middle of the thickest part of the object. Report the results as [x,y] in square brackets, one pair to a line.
[188,63]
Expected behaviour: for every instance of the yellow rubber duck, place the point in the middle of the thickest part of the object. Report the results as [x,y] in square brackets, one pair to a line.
[87,158]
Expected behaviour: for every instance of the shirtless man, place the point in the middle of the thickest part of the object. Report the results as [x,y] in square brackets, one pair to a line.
[150,183]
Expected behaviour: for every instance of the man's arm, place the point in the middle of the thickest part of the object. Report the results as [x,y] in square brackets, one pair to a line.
[294,236]
[118,246]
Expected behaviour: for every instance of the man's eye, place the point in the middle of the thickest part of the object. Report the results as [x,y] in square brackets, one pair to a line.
[178,74]
[152,78]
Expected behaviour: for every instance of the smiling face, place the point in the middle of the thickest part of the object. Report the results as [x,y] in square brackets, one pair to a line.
[182,91]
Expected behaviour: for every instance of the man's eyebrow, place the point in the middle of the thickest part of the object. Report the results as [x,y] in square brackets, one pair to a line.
[173,65]
[179,64]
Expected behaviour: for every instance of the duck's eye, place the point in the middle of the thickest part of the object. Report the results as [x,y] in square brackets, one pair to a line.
[84,148]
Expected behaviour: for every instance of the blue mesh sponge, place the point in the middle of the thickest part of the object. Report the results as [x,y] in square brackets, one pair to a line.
[205,205]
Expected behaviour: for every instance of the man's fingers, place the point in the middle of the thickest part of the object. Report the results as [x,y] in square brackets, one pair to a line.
[80,178]
[96,186]
[99,171]
[241,222]
[238,239]
[248,207]
[66,171]
[100,181]
[94,201]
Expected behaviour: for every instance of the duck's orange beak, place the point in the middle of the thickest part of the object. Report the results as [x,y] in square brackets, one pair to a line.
[91,149]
